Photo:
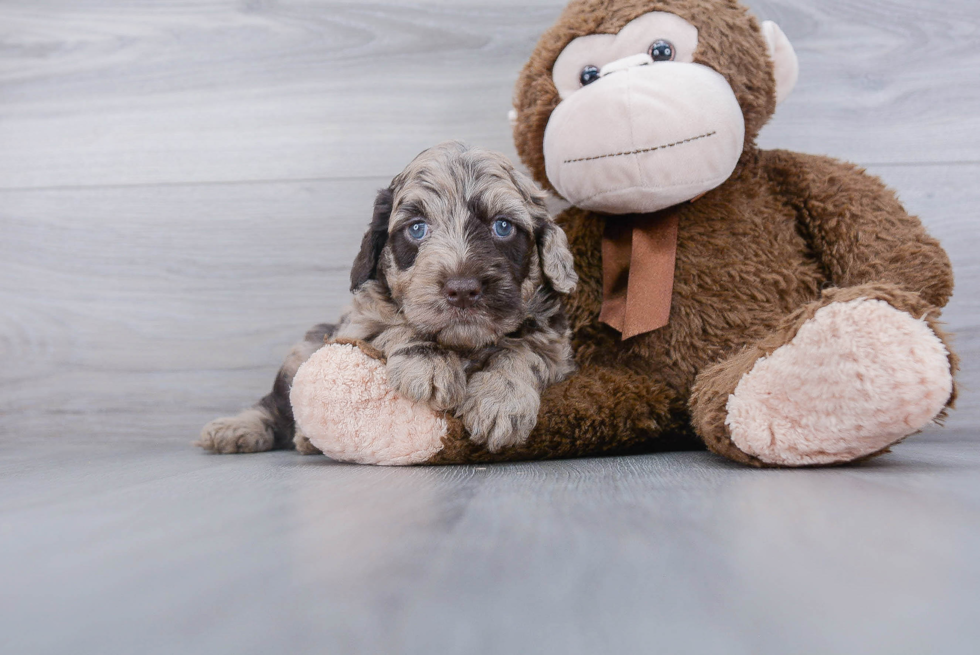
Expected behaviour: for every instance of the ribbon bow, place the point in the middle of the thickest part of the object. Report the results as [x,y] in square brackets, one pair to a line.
[639,252]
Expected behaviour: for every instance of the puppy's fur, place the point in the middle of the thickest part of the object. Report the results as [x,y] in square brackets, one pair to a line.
[488,359]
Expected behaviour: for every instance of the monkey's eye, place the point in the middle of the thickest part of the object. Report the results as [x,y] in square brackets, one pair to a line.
[589,75]
[503,228]
[662,50]
[418,230]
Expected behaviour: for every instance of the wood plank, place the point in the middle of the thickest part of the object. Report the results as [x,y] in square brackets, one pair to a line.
[164,299]
[172,92]
[115,551]
[227,92]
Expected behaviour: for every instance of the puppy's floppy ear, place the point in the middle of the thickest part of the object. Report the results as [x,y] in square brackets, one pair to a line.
[557,262]
[366,264]
[556,259]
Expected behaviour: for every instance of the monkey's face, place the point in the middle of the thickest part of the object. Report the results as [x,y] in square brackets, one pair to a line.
[640,126]
[468,242]
[647,117]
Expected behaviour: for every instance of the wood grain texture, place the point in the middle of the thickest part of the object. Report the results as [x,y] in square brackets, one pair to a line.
[679,553]
[182,187]
[174,92]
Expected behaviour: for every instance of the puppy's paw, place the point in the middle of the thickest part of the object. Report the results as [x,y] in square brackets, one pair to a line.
[303,444]
[498,411]
[430,375]
[248,432]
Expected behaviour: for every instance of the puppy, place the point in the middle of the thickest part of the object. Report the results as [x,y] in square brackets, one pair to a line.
[458,283]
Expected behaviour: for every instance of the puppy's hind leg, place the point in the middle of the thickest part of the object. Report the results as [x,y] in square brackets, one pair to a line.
[250,431]
[269,424]
[303,444]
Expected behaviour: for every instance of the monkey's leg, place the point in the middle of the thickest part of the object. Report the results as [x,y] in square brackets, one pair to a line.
[346,407]
[841,379]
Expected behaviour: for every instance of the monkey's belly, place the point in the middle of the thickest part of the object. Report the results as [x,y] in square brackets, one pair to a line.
[723,301]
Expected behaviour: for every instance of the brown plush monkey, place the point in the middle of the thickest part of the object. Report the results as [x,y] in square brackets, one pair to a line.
[782,308]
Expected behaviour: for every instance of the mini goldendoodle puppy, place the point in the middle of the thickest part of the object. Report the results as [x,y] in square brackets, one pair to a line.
[458,284]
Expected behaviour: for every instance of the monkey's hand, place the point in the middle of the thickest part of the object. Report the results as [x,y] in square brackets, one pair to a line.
[501,408]
[428,374]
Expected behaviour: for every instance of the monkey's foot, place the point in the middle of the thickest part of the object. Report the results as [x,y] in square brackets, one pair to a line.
[344,405]
[857,378]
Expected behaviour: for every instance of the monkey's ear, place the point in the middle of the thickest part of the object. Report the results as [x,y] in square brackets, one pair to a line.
[784,59]
[366,264]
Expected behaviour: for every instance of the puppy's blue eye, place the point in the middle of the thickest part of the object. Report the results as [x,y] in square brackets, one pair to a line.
[418,230]
[503,228]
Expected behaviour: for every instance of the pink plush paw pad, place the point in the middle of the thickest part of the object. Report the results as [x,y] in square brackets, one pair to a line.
[857,377]
[344,405]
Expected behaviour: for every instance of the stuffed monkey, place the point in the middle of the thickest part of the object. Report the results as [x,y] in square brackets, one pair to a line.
[781,308]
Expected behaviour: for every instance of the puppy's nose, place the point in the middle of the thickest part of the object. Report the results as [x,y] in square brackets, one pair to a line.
[462,291]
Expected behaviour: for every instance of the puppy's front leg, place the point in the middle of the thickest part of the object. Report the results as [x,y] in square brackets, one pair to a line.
[502,402]
[427,373]
[502,399]
[417,368]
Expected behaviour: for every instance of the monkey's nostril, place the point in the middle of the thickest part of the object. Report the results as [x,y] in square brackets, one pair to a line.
[462,292]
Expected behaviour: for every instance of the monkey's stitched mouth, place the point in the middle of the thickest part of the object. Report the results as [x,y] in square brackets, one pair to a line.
[644,150]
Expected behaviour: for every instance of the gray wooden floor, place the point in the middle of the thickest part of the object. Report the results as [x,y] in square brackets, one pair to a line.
[182,185]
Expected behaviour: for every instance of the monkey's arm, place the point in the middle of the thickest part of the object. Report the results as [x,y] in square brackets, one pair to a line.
[858,229]
[597,411]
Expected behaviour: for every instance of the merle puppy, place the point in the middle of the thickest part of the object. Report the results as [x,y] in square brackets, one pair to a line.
[458,284]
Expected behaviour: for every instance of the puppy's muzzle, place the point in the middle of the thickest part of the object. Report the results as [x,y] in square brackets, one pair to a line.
[462,292]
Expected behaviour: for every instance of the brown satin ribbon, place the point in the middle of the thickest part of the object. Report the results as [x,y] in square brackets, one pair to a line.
[639,253]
